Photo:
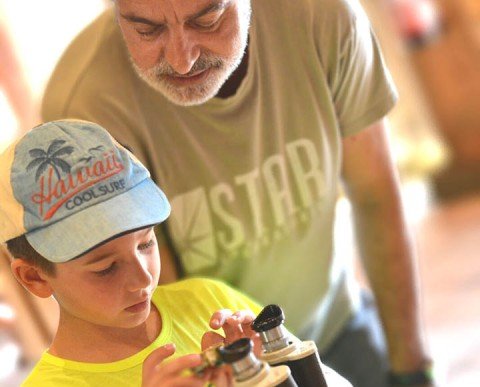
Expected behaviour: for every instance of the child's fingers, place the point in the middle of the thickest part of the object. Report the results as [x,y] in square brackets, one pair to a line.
[150,370]
[179,364]
[222,316]
[249,332]
[257,345]
[158,356]
[246,316]
[235,325]
[222,377]
[190,381]
[211,339]
[219,317]
[228,322]
[232,329]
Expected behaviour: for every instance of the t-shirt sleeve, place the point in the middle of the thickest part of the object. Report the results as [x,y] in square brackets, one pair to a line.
[361,86]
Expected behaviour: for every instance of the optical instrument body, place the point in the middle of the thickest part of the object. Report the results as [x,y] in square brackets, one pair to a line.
[278,349]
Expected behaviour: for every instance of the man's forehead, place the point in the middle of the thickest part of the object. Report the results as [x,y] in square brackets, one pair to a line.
[178,9]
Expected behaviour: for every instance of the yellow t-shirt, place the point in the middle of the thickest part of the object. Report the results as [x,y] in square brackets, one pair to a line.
[185,308]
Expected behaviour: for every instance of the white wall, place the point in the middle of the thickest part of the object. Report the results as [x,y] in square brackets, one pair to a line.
[41,30]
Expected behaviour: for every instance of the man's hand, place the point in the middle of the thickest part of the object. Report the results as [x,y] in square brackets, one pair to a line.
[235,326]
[176,373]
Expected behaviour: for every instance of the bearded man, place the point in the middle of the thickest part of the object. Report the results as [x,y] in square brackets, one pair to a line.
[250,114]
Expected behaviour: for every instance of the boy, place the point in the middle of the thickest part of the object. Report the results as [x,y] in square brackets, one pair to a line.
[77,211]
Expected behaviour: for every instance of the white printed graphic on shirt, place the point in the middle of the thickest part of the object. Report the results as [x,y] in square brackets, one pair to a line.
[258,208]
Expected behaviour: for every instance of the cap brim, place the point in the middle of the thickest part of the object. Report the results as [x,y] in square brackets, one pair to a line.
[143,205]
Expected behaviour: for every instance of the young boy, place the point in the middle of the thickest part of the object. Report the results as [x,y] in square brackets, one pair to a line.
[77,211]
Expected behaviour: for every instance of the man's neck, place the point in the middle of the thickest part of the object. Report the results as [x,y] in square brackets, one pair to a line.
[232,84]
[96,344]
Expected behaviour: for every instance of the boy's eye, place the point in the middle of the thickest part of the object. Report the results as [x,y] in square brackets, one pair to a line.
[145,246]
[106,271]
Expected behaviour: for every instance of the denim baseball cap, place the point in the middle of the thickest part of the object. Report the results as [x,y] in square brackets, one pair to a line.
[69,186]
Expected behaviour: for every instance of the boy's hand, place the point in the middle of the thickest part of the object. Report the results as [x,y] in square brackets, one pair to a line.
[235,326]
[156,372]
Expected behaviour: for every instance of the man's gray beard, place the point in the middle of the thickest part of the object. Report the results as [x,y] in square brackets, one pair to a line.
[220,70]
[157,78]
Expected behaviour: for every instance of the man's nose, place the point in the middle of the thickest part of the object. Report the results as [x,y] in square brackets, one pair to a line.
[181,52]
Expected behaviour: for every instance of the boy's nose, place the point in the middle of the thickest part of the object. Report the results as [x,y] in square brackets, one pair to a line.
[181,52]
[139,275]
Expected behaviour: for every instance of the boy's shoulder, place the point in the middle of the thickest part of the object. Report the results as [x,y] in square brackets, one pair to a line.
[195,285]
[57,372]
[209,292]
[51,374]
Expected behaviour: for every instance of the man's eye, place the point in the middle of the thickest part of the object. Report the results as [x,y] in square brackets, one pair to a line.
[146,34]
[149,33]
[145,246]
[106,271]
[207,23]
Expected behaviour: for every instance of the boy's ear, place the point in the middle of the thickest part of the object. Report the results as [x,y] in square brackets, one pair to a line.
[31,278]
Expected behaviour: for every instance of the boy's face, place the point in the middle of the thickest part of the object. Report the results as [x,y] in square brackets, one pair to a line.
[111,285]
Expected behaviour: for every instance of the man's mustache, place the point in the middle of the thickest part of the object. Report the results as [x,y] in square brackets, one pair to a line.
[205,62]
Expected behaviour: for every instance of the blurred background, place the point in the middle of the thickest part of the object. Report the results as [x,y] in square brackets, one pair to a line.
[432,48]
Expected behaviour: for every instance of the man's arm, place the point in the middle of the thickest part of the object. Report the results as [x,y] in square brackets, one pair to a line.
[386,249]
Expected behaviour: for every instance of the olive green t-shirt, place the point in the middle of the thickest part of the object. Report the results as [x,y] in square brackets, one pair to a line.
[253,178]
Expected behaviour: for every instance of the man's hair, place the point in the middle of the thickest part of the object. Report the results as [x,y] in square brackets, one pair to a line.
[19,247]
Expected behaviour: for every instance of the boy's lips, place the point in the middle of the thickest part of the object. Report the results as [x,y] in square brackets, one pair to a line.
[138,307]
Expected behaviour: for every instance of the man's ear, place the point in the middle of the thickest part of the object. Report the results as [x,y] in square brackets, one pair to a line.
[31,278]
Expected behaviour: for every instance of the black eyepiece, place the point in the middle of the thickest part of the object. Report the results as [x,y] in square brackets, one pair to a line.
[236,351]
[270,317]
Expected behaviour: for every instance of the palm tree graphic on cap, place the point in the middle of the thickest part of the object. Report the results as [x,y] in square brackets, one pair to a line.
[52,157]
[86,160]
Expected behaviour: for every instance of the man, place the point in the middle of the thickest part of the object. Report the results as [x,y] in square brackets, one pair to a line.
[249,114]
